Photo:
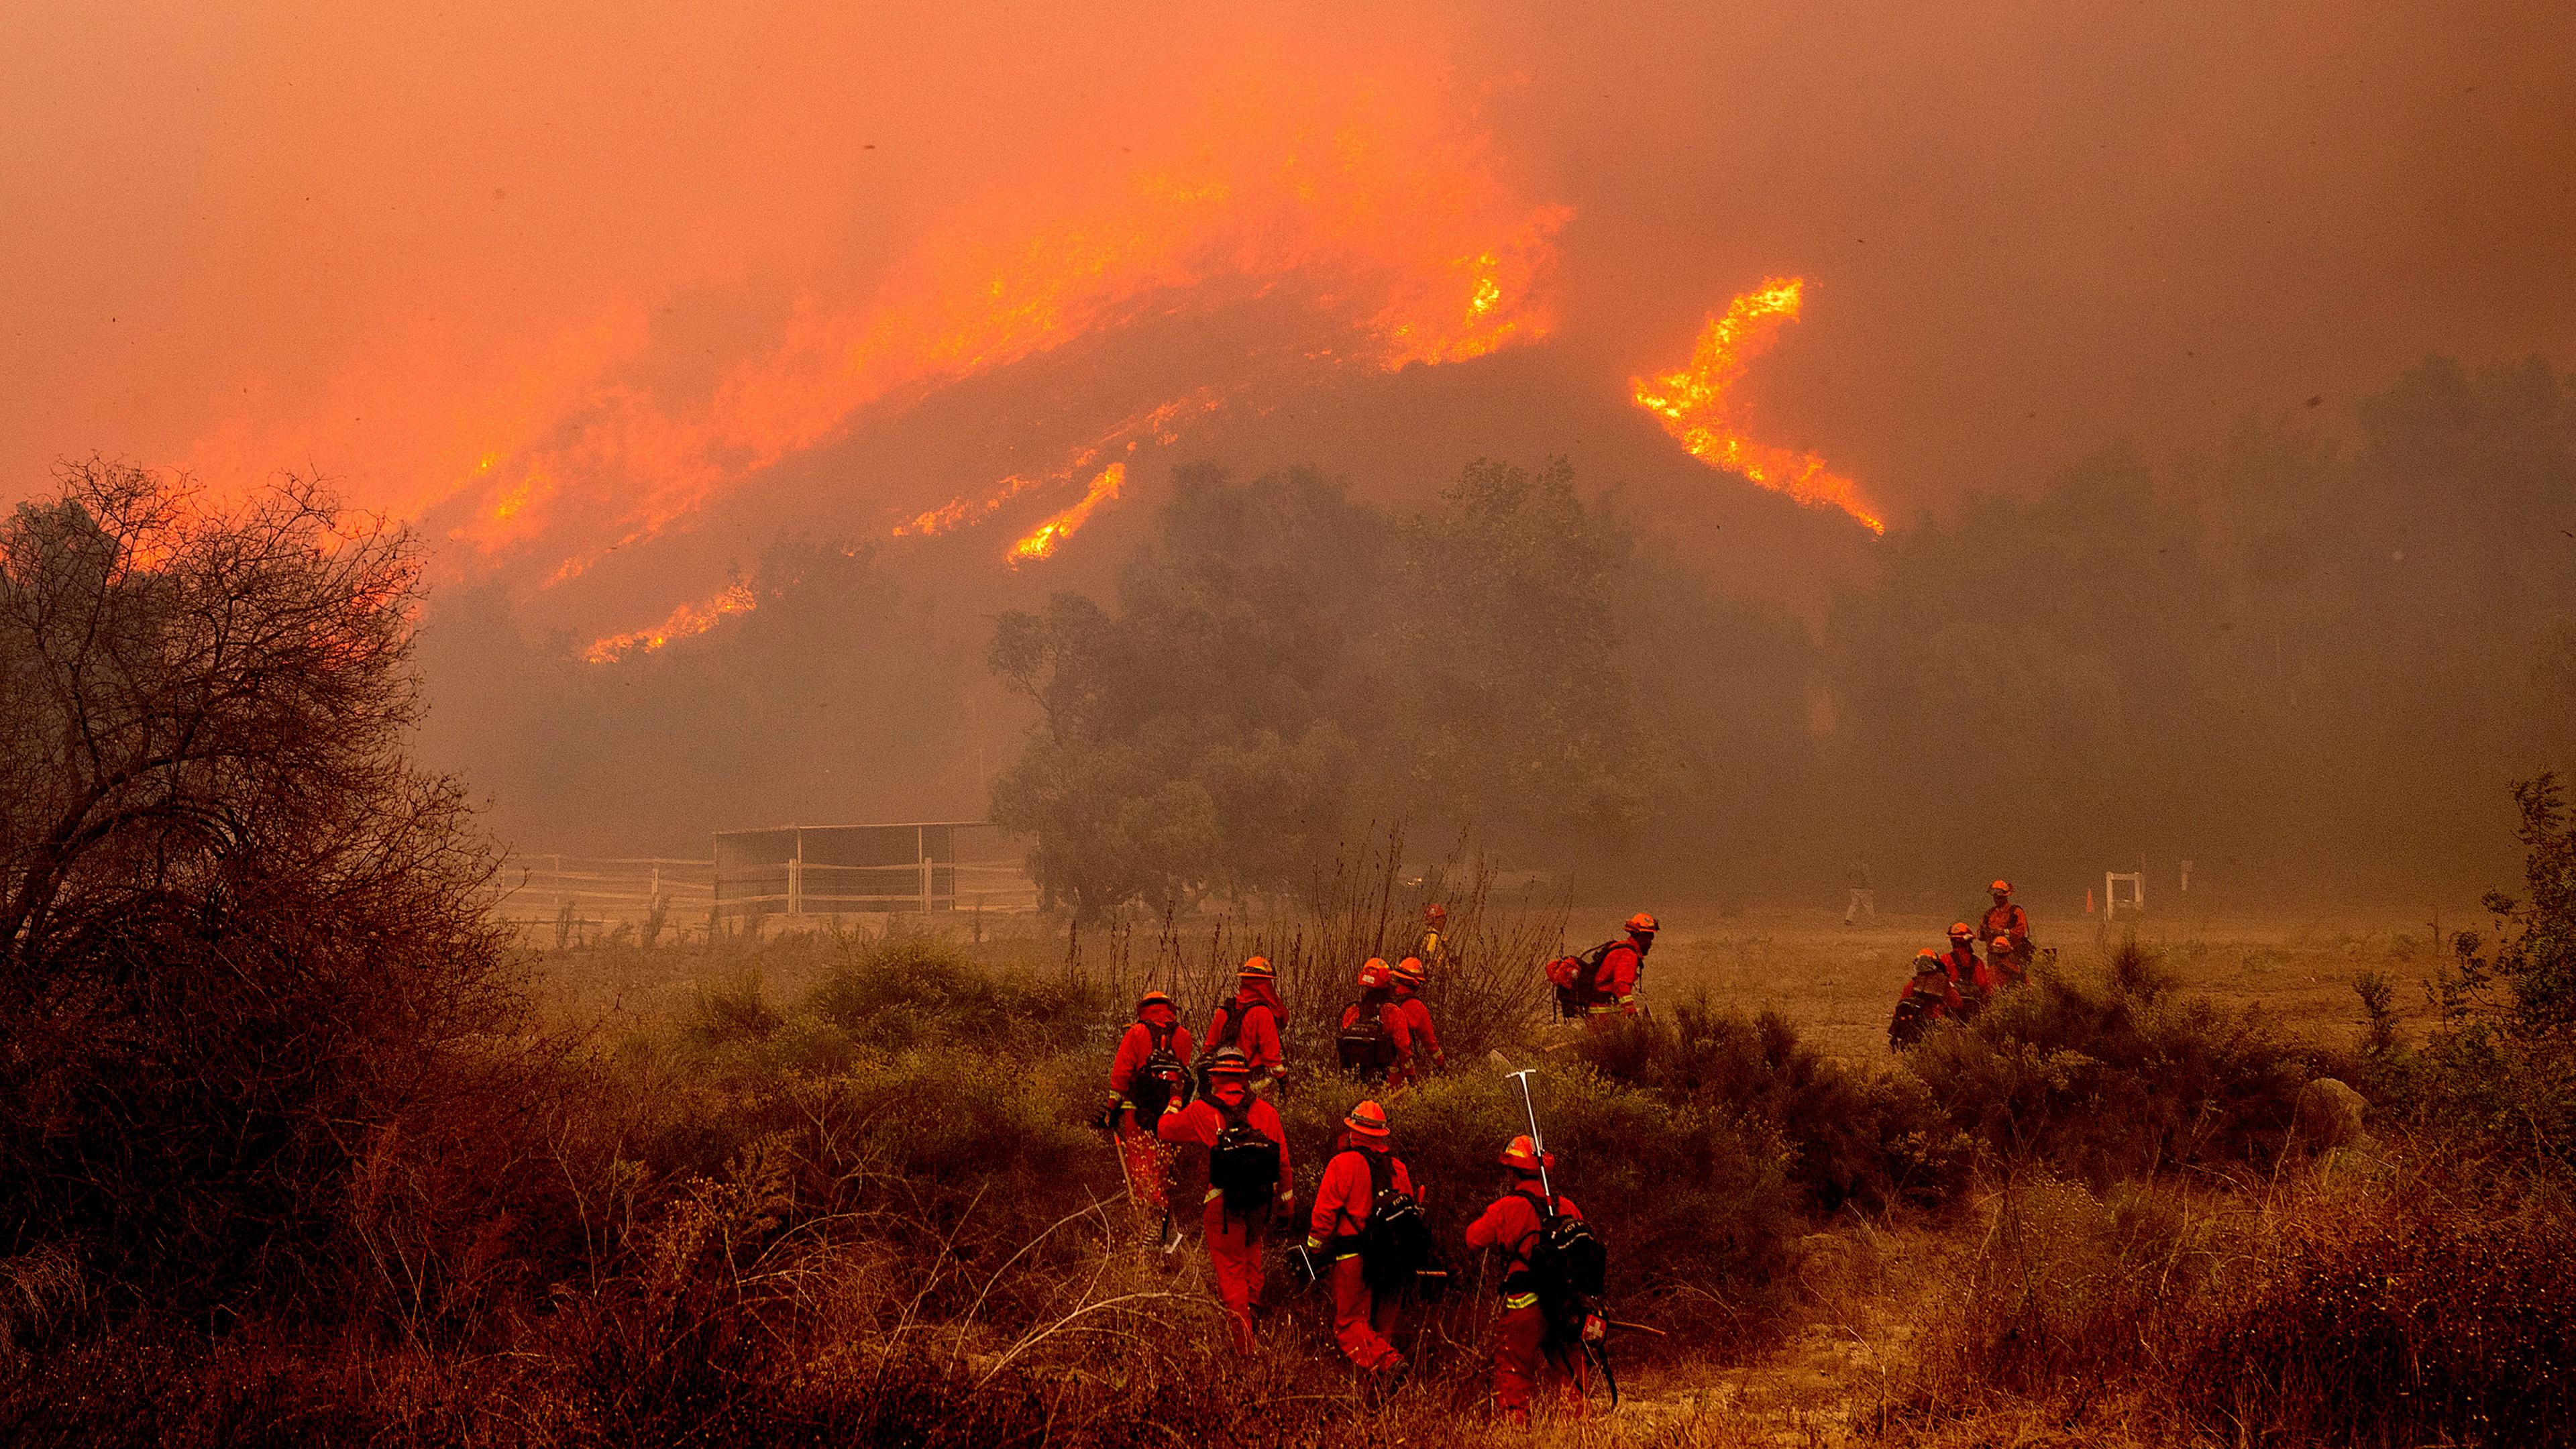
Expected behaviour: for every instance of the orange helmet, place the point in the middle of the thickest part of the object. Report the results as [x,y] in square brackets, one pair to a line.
[1523,1156]
[1959,931]
[1409,971]
[1367,1119]
[1435,912]
[1374,974]
[1927,962]
[1153,998]
[1641,924]
[2001,887]
[1229,1062]
[1256,968]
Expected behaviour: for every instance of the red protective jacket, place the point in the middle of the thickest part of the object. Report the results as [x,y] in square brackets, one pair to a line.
[1620,966]
[1138,1044]
[1968,969]
[1512,1224]
[2005,920]
[1346,1195]
[1417,1020]
[1259,1038]
[1198,1124]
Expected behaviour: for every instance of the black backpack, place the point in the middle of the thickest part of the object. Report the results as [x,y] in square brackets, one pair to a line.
[1585,990]
[1567,1267]
[1914,1016]
[1161,1081]
[1244,1163]
[1366,1045]
[1395,1242]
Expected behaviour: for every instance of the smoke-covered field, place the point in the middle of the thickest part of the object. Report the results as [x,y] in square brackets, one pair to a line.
[1836,982]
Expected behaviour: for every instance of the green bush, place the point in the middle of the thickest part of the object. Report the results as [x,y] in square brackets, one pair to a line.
[1696,1209]
[2115,1077]
[1858,1138]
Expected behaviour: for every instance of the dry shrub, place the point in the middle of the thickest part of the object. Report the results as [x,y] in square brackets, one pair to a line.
[2425,1309]
[241,939]
[1858,1138]
[2115,1077]
[1488,995]
[2358,1302]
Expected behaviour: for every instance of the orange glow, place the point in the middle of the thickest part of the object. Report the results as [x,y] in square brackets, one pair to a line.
[1696,406]
[1382,217]
[686,621]
[1041,544]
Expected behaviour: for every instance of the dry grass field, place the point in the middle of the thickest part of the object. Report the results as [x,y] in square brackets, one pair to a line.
[1836,982]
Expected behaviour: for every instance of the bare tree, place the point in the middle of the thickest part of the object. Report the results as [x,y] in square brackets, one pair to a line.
[239,933]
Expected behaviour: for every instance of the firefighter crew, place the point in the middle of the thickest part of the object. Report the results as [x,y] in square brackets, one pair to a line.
[1377,995]
[2010,924]
[1250,1022]
[1407,979]
[1615,997]
[1234,1237]
[1511,1225]
[1362,1320]
[1156,1032]
[1433,949]
[1968,972]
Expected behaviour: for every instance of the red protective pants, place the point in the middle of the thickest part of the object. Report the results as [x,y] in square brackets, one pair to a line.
[1361,1319]
[1234,1256]
[1520,1360]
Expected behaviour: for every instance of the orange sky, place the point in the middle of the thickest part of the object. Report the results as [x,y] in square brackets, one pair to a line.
[641,254]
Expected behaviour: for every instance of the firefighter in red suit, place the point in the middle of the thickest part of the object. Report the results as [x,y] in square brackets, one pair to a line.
[1407,978]
[2005,928]
[1233,1238]
[1614,999]
[1969,972]
[1250,1022]
[1511,1226]
[1361,1320]
[1146,1161]
[1377,994]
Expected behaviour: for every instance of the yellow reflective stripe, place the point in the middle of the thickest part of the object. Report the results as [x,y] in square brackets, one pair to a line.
[1520,1300]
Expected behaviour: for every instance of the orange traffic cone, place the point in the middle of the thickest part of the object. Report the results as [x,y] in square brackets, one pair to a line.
[2088,900]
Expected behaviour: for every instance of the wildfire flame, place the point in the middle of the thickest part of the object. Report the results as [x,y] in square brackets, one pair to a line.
[1387,220]
[686,621]
[1695,406]
[1042,543]
[1154,424]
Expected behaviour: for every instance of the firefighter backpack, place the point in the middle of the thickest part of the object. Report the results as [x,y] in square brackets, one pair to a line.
[1161,1081]
[1366,1045]
[1244,1163]
[1395,1242]
[1577,979]
[1914,1016]
[1568,1268]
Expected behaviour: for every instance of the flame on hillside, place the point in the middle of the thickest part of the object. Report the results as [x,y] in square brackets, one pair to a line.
[1385,220]
[1696,406]
[1042,543]
[686,621]
[1153,425]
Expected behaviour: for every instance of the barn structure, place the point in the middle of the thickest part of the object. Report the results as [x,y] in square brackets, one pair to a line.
[833,870]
